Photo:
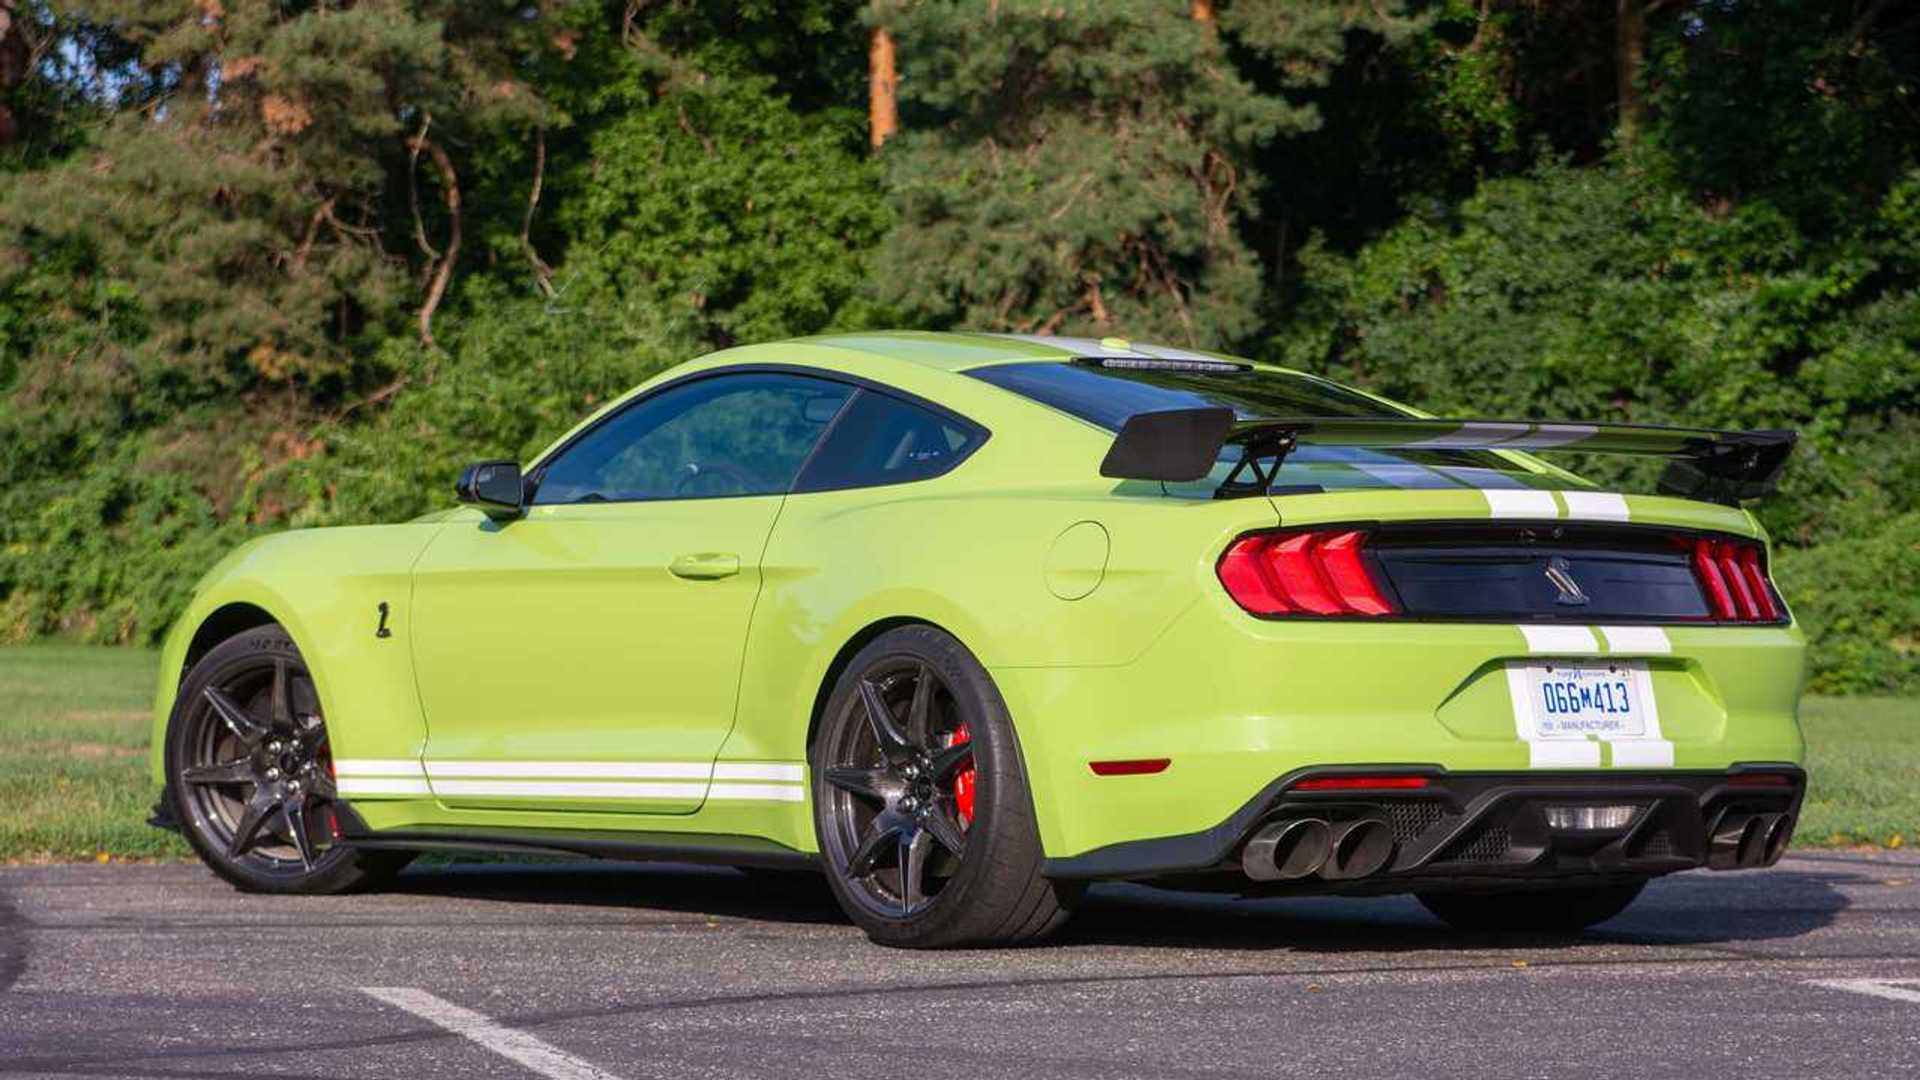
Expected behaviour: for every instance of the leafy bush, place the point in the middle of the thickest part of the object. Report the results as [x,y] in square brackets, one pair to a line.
[1859,602]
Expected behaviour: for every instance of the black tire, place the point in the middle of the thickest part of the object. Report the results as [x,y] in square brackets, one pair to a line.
[1537,911]
[246,710]
[980,881]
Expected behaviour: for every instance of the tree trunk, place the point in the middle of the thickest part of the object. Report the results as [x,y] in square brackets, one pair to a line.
[883,105]
[1629,64]
[14,57]
[1202,11]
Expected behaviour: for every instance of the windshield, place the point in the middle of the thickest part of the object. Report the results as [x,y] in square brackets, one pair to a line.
[1107,395]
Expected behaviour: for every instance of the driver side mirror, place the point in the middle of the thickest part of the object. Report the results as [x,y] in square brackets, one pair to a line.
[493,486]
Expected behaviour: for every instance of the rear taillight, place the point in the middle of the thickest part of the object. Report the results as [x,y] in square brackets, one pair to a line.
[1733,577]
[1303,573]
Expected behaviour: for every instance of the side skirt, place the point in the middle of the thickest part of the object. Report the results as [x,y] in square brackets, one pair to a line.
[631,846]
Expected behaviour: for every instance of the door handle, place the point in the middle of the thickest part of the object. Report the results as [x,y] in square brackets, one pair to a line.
[705,565]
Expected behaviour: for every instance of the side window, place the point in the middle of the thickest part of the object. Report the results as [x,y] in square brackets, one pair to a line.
[744,434]
[883,440]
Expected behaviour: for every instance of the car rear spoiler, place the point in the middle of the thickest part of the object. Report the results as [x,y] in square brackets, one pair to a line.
[1183,444]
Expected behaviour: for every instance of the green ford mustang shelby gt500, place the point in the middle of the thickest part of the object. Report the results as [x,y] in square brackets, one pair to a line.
[967,621]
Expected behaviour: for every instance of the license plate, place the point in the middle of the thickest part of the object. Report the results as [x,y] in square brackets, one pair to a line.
[1573,700]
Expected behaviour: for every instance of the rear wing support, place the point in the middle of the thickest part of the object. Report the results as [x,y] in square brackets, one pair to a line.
[1182,445]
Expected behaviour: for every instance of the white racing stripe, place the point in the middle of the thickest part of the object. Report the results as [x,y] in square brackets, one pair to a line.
[1559,639]
[1596,505]
[1520,504]
[1635,639]
[1648,750]
[522,1049]
[1888,989]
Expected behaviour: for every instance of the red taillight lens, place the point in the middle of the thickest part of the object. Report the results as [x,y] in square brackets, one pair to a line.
[1733,580]
[1303,573]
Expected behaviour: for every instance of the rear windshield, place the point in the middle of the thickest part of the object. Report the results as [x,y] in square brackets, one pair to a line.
[1108,396]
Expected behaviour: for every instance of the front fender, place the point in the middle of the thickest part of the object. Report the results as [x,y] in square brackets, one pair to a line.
[324,587]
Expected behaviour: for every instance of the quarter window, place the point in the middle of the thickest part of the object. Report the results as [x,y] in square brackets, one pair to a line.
[726,435]
[881,439]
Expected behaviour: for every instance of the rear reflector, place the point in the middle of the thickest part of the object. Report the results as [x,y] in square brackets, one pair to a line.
[1733,579]
[1133,767]
[1360,783]
[1303,573]
[1760,779]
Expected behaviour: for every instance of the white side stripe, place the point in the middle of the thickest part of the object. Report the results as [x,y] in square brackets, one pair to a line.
[377,767]
[1635,639]
[758,792]
[729,770]
[362,786]
[1559,639]
[1596,505]
[573,770]
[1521,504]
[566,789]
[535,1055]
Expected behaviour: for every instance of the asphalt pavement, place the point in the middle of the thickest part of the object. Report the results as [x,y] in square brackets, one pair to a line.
[591,971]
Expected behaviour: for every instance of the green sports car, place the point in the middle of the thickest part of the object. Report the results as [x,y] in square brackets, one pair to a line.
[967,621]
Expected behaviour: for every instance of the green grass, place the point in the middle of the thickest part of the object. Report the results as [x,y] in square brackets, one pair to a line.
[73,754]
[1863,761]
[73,762]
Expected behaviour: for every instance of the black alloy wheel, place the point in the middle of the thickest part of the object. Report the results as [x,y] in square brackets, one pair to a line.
[921,805]
[899,826]
[249,768]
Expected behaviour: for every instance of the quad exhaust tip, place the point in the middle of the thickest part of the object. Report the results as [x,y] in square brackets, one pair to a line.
[1301,847]
[1287,850]
[1745,841]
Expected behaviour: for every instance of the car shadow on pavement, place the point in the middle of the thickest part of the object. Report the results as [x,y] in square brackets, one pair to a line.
[665,887]
[1697,908]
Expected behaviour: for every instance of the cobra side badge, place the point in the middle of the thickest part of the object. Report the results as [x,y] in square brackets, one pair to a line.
[1560,573]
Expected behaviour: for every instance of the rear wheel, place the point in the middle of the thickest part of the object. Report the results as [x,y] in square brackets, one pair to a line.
[249,769]
[1550,911]
[921,804]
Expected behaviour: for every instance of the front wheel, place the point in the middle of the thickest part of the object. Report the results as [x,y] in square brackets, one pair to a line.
[249,770]
[1540,911]
[921,804]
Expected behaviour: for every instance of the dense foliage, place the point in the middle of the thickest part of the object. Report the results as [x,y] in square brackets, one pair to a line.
[288,263]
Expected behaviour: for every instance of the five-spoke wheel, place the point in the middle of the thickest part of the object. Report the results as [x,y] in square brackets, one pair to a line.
[250,771]
[924,819]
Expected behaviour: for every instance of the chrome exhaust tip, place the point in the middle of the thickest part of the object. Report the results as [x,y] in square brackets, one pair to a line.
[1360,848]
[1287,850]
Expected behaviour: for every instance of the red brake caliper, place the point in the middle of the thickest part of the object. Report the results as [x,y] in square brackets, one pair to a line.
[963,780]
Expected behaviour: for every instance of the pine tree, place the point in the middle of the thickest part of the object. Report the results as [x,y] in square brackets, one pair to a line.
[1072,166]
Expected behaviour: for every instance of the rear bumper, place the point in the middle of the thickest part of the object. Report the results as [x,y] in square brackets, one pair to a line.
[1482,829]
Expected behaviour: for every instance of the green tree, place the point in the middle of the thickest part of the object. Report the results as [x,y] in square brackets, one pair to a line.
[1080,167]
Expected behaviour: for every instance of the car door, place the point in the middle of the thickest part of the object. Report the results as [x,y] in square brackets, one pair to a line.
[587,656]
